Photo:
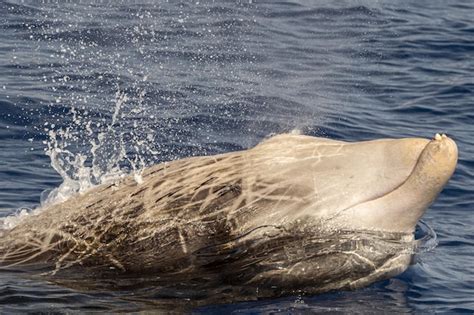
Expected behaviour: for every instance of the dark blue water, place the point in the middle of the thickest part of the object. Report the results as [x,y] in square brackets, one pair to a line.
[161,80]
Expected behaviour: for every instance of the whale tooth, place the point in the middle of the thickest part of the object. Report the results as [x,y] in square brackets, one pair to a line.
[437,136]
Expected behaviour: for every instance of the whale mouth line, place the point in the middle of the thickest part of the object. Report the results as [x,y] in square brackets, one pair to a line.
[382,195]
[437,138]
[403,182]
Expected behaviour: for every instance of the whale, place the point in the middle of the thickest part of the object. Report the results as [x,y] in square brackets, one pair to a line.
[293,214]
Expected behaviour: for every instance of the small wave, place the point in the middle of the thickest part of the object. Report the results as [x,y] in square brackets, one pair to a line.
[425,237]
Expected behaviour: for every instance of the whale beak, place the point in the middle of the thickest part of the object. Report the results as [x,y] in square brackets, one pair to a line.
[401,208]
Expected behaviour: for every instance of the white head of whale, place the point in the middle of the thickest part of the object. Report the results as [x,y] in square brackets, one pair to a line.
[383,185]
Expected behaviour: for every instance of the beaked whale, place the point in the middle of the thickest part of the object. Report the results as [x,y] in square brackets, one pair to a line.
[293,214]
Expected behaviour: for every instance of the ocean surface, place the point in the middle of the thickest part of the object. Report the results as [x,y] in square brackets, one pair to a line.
[94,89]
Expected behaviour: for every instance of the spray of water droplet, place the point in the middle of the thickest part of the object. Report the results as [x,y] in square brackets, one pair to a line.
[88,151]
[107,159]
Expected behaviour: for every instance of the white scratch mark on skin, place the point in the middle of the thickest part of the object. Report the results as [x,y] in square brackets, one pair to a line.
[182,242]
[364,259]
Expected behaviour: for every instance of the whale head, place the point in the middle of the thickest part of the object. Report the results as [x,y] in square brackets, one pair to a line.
[383,185]
[432,164]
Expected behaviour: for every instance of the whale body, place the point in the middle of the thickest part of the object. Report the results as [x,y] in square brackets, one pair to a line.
[293,214]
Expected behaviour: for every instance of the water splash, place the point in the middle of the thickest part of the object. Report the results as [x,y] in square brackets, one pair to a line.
[102,160]
[425,237]
[11,221]
[88,150]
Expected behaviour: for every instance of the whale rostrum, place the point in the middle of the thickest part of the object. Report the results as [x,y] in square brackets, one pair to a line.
[293,214]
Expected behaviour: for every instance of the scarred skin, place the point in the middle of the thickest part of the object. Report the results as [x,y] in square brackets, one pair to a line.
[255,202]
